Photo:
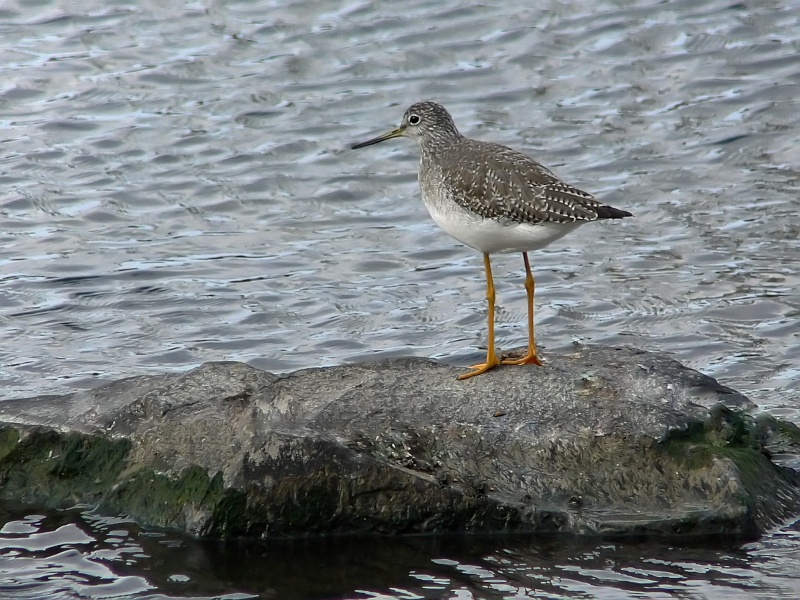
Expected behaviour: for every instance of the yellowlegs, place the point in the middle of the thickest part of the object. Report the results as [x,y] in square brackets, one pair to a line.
[493,199]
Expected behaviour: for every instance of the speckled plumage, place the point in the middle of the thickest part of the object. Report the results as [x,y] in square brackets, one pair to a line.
[489,179]
[493,199]
[497,182]
[489,196]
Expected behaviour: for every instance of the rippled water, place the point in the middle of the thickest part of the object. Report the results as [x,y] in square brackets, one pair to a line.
[177,188]
[74,555]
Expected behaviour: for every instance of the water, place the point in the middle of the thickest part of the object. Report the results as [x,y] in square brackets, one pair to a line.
[177,188]
[76,555]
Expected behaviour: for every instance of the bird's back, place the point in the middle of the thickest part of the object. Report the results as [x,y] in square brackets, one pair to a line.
[496,182]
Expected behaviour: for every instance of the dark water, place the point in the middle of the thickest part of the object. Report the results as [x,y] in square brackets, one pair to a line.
[74,556]
[177,188]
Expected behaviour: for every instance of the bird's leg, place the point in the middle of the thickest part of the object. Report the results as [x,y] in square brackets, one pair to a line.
[532,357]
[491,357]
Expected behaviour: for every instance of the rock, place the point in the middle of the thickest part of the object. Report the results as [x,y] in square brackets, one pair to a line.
[603,441]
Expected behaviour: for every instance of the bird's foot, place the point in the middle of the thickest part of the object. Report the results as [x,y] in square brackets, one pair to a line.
[531,358]
[479,369]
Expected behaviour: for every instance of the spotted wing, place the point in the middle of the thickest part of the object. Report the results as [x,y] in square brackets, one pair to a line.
[500,183]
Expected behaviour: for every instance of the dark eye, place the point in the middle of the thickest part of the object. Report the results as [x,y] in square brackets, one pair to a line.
[414,119]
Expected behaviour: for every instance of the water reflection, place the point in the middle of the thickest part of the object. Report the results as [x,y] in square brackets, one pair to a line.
[84,555]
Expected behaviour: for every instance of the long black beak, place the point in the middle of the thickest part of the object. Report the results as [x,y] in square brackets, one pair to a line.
[399,132]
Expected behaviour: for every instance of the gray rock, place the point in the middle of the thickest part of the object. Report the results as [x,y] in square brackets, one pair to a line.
[603,441]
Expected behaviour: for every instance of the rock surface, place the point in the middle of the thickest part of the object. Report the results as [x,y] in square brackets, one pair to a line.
[603,441]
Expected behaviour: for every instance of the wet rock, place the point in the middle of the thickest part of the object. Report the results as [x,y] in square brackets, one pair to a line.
[602,441]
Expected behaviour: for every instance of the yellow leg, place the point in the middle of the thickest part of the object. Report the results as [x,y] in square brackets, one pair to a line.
[531,357]
[491,357]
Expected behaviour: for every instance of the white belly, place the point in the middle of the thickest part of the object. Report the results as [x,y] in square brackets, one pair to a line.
[490,235]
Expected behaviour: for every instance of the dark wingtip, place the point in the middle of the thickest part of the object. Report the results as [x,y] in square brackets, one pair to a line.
[609,212]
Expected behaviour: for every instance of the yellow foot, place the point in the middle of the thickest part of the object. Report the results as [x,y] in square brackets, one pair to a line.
[480,369]
[531,358]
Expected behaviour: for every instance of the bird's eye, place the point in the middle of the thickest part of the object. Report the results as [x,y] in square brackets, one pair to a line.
[414,119]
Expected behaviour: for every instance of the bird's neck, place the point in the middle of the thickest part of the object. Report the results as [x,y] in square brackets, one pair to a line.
[438,144]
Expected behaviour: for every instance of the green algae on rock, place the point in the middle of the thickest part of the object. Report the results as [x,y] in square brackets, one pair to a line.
[603,441]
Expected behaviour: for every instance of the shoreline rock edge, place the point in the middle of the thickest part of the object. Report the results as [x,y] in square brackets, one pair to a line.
[604,441]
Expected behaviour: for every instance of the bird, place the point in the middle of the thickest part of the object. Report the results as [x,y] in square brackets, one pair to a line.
[495,200]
